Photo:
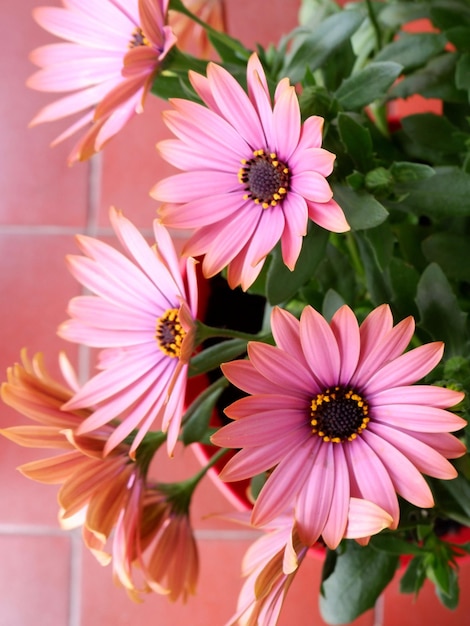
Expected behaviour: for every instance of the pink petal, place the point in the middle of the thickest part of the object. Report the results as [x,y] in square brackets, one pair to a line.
[235,105]
[286,332]
[386,349]
[415,417]
[315,498]
[282,487]
[444,443]
[244,376]
[365,518]
[328,215]
[335,526]
[282,369]
[261,429]
[372,479]
[286,124]
[425,458]
[428,395]
[251,405]
[311,186]
[346,331]
[189,186]
[406,369]
[312,159]
[406,479]
[320,347]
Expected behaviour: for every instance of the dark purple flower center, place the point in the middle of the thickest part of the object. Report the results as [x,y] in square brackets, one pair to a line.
[138,38]
[169,333]
[338,414]
[265,178]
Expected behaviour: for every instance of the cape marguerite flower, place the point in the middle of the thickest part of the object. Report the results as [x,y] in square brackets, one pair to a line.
[110,56]
[334,410]
[109,497]
[142,315]
[93,489]
[254,173]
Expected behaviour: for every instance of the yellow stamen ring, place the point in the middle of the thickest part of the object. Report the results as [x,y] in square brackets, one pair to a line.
[338,414]
[138,38]
[265,178]
[169,333]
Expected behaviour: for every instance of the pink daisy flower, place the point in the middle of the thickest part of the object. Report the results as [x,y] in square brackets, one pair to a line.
[333,408]
[111,53]
[142,315]
[272,561]
[254,174]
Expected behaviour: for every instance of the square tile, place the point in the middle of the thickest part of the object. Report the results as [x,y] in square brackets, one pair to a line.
[34,580]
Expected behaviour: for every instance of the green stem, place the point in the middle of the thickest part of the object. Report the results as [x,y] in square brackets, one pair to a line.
[375,25]
[204,332]
[354,255]
[212,461]
[220,383]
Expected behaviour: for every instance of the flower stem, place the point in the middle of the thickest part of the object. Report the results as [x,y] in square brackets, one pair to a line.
[204,332]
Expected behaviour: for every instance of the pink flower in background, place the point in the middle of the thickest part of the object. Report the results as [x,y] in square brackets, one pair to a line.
[191,36]
[142,315]
[108,60]
[254,174]
[334,410]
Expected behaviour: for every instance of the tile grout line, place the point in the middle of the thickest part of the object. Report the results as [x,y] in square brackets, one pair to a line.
[84,365]
[75,593]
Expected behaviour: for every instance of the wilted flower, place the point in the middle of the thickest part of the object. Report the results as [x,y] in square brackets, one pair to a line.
[334,410]
[108,61]
[190,34]
[254,173]
[109,496]
[142,314]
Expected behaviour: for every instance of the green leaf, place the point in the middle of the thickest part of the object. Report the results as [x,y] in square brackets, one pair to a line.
[397,13]
[382,241]
[439,310]
[210,358]
[362,210]
[390,543]
[199,415]
[359,577]
[407,171]
[444,195]
[412,50]
[435,80]
[281,283]
[453,500]
[445,577]
[414,576]
[368,85]
[331,303]
[451,252]
[460,37]
[357,141]
[462,72]
[404,284]
[313,49]
[376,280]
[434,131]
